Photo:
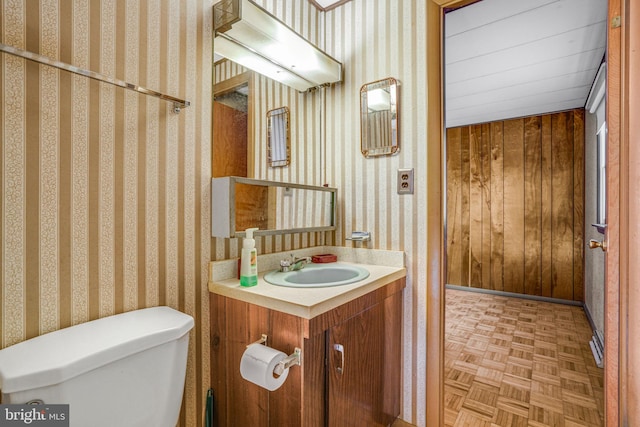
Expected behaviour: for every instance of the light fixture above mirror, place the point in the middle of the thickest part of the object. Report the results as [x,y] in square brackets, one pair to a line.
[252,37]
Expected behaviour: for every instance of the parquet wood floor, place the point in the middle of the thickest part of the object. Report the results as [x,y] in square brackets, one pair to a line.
[518,362]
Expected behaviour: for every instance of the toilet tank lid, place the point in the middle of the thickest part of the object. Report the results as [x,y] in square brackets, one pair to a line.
[61,355]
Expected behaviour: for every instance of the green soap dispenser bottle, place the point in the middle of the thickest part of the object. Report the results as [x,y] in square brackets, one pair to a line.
[249,260]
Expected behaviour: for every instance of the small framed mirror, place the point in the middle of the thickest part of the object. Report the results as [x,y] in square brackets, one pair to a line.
[379,118]
[278,151]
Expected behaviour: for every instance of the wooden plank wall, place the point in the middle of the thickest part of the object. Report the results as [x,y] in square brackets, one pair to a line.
[515,205]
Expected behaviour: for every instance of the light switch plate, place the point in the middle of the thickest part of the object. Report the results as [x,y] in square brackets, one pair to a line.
[405,181]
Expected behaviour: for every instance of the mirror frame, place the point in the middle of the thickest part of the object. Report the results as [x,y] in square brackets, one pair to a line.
[223,209]
[368,148]
[287,138]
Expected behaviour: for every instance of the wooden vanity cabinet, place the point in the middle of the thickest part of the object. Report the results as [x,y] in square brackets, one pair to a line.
[351,369]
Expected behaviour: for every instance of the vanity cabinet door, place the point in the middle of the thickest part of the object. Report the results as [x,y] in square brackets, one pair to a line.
[364,367]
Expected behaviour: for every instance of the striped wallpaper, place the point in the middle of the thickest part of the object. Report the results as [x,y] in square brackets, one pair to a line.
[373,40]
[105,192]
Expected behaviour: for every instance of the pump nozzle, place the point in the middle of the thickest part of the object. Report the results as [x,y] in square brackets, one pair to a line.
[249,233]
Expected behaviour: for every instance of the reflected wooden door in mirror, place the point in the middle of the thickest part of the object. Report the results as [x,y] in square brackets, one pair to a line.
[278,151]
[379,118]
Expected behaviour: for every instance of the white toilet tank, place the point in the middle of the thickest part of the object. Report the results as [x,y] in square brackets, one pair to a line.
[124,370]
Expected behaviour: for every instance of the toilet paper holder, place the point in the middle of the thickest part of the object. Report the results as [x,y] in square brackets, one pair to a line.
[294,358]
[262,340]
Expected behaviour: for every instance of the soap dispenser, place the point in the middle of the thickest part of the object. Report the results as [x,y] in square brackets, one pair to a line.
[249,260]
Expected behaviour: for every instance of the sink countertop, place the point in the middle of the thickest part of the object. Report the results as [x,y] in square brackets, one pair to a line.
[308,302]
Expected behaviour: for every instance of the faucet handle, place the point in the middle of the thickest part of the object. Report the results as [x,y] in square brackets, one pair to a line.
[285,263]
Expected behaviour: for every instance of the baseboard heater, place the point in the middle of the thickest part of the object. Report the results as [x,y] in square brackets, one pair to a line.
[597,348]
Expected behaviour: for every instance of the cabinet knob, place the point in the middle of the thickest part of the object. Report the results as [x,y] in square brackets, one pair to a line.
[340,349]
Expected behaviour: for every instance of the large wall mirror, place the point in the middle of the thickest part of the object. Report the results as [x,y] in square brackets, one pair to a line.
[278,148]
[379,118]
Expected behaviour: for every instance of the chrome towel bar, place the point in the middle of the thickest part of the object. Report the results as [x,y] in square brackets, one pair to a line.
[178,104]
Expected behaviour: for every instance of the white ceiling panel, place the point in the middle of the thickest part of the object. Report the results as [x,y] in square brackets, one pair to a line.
[557,18]
[468,18]
[573,64]
[506,59]
[522,57]
[521,111]
[501,94]
[529,103]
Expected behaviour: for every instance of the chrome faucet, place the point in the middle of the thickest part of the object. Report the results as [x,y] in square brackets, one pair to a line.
[293,263]
[299,263]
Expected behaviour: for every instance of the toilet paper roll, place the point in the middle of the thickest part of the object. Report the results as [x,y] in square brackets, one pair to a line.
[257,365]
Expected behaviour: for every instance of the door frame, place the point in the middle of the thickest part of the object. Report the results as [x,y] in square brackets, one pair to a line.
[622,376]
[229,85]
[434,369]
[622,322]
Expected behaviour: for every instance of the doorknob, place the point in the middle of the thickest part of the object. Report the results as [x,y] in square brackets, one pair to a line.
[593,243]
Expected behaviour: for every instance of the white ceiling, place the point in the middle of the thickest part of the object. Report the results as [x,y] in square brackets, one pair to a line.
[507,58]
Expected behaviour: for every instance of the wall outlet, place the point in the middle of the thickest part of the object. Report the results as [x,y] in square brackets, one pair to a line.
[405,181]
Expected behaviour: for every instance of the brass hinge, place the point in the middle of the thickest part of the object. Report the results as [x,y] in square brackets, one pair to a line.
[615,22]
